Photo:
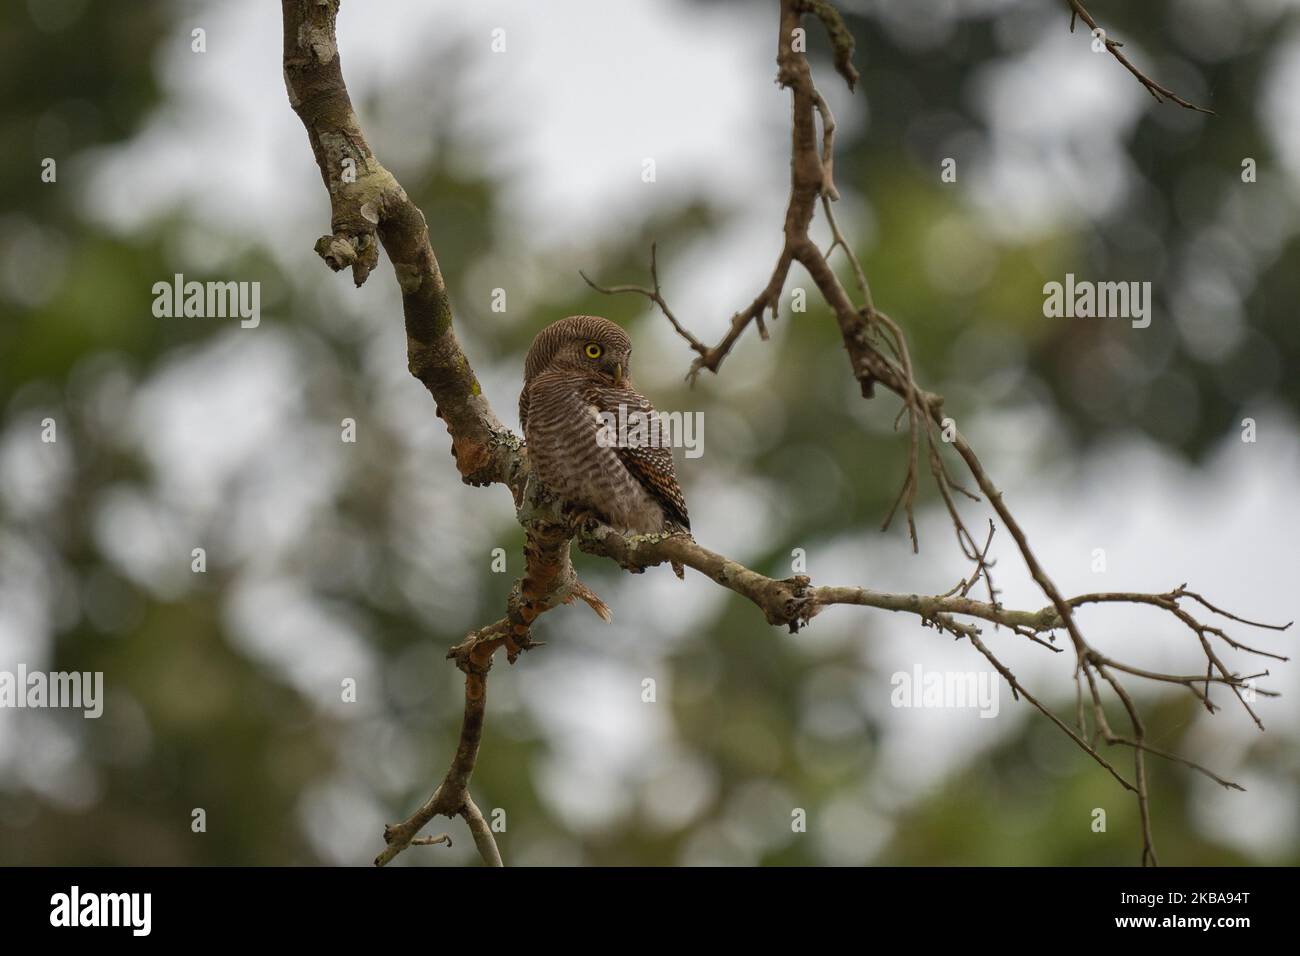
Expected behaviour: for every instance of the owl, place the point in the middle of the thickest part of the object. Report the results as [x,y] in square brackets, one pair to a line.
[591,436]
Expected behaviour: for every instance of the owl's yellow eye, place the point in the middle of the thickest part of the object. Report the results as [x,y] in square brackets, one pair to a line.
[594,350]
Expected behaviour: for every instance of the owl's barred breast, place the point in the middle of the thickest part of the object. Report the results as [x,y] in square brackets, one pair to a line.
[561,430]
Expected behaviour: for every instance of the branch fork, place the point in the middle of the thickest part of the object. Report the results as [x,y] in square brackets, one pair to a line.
[374,211]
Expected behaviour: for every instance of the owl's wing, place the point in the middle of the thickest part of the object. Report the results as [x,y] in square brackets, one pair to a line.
[651,465]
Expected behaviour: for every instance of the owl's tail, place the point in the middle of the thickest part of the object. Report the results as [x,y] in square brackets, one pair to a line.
[679,570]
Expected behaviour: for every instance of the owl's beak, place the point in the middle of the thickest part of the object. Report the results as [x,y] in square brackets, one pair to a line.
[618,373]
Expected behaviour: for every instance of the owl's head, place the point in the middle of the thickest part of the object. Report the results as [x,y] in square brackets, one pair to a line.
[586,344]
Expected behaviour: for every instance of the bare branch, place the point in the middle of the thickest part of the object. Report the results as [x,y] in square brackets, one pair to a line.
[433,840]
[864,329]
[370,210]
[1161,93]
[654,296]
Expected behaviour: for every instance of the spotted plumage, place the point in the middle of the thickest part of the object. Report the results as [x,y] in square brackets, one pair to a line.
[577,369]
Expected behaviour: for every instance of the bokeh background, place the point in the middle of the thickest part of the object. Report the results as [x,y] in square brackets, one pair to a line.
[329,561]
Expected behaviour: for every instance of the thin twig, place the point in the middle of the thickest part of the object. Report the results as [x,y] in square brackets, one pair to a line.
[1161,93]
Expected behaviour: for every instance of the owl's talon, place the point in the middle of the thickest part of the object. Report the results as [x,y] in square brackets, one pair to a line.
[581,519]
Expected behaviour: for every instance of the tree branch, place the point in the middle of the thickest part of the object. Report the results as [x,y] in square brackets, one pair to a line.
[369,209]
[1161,93]
[867,333]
